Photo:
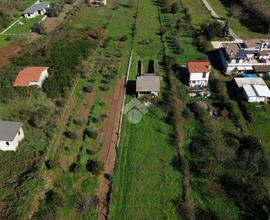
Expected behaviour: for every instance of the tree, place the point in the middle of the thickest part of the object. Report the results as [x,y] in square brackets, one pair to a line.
[175,8]
[167,5]
[226,31]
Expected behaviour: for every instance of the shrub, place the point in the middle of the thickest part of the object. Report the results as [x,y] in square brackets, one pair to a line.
[175,8]
[77,122]
[104,87]
[94,167]
[90,133]
[71,134]
[87,89]
[123,38]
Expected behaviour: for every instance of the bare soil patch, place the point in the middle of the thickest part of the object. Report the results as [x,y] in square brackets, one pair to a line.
[9,52]
[109,140]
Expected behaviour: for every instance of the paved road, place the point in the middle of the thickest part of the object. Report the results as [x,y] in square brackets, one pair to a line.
[219,19]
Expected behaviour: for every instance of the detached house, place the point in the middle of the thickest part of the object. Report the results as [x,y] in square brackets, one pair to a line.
[31,76]
[239,57]
[11,134]
[36,9]
[199,72]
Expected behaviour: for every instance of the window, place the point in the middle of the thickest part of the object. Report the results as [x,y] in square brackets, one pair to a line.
[7,143]
[19,132]
[204,75]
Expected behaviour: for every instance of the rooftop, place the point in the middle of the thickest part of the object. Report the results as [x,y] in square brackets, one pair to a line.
[28,75]
[9,130]
[36,7]
[241,81]
[198,66]
[148,83]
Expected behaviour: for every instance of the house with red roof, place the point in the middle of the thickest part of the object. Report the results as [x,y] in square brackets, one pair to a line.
[199,72]
[31,76]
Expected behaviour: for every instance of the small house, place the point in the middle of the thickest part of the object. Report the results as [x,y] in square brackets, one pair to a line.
[11,134]
[101,2]
[148,84]
[36,9]
[199,72]
[253,89]
[31,76]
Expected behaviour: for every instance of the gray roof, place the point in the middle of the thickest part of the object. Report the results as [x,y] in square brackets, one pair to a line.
[8,130]
[148,83]
[36,7]
[240,81]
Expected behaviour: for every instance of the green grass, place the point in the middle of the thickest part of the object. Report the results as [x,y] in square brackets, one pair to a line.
[146,183]
[261,123]
[25,27]
[240,29]
[198,12]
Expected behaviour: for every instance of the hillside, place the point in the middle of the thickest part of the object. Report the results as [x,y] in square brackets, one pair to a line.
[10,9]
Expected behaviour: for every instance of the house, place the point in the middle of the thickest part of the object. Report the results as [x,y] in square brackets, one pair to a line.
[253,89]
[148,84]
[198,76]
[199,72]
[11,133]
[36,9]
[101,2]
[239,57]
[31,76]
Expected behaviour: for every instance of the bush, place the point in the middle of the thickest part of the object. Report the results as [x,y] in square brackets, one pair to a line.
[123,38]
[87,89]
[104,87]
[77,122]
[94,167]
[71,134]
[90,133]
[175,8]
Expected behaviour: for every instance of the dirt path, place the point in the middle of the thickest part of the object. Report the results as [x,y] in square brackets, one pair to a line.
[108,153]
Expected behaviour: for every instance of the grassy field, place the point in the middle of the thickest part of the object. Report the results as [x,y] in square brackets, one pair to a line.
[239,28]
[146,183]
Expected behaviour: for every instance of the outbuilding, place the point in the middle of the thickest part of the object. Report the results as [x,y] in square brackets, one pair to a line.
[254,89]
[31,76]
[11,134]
[148,84]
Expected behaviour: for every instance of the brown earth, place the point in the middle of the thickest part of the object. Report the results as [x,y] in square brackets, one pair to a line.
[52,23]
[7,53]
[108,153]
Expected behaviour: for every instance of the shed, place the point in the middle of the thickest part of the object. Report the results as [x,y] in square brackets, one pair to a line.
[148,83]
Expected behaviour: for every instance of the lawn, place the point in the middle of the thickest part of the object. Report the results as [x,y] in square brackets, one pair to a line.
[147,183]
[239,28]
[198,12]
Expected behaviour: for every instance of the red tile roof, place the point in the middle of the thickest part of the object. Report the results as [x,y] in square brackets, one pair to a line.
[198,66]
[28,75]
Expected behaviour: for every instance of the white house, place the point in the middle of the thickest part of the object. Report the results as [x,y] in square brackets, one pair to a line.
[101,2]
[31,76]
[254,89]
[36,9]
[199,72]
[238,57]
[11,133]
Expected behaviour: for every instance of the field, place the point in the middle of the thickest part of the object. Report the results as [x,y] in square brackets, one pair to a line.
[242,29]
[138,189]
